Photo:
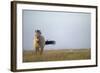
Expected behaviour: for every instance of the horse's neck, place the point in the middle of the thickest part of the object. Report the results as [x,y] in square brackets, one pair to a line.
[37,37]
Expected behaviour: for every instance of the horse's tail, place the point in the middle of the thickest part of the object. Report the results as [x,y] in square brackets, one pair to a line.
[49,42]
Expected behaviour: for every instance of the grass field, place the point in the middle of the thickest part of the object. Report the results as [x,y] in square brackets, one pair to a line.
[57,55]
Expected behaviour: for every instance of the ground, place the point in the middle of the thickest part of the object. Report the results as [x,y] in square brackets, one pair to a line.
[57,55]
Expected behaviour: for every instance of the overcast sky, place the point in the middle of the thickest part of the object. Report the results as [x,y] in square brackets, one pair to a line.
[69,30]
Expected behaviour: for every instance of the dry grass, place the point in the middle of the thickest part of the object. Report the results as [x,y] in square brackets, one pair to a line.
[57,55]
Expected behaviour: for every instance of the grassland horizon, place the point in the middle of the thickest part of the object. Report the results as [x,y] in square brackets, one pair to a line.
[57,55]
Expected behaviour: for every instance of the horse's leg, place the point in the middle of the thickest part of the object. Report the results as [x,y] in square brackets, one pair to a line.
[41,50]
[37,50]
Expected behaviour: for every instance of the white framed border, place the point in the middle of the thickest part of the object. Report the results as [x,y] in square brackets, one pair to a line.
[21,65]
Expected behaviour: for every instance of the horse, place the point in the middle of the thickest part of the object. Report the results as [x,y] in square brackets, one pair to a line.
[39,43]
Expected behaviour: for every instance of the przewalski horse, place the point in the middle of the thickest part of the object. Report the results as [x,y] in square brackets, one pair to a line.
[39,42]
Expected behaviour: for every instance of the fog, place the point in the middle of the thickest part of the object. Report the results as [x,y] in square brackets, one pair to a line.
[68,29]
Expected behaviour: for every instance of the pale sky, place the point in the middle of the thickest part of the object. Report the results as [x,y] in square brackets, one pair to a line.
[69,30]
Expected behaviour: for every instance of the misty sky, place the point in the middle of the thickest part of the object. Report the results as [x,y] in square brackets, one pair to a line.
[69,30]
